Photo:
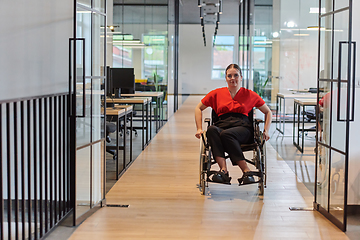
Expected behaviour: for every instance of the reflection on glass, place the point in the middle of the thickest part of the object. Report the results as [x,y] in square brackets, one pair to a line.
[122,56]
[262,52]
[79,78]
[337,185]
[86,3]
[338,127]
[341,25]
[96,110]
[223,52]
[84,31]
[326,6]
[98,172]
[325,48]
[322,176]
[341,4]
[83,182]
[98,47]
[99,5]
[325,107]
[83,124]
[155,60]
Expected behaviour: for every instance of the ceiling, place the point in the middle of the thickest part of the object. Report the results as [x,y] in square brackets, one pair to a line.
[189,11]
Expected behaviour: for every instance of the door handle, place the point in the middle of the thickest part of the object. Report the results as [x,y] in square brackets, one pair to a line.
[353,82]
[350,80]
[339,83]
[73,76]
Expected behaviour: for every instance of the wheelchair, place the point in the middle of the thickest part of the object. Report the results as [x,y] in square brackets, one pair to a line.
[256,145]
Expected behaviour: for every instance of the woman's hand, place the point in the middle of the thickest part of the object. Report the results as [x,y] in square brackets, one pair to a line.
[198,119]
[268,119]
[199,133]
[266,135]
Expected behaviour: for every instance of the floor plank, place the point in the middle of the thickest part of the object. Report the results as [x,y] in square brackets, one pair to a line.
[164,201]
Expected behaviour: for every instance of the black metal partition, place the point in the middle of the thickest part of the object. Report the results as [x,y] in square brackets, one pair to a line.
[336,76]
[34,160]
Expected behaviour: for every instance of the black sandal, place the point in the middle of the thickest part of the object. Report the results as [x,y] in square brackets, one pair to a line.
[248,178]
[219,177]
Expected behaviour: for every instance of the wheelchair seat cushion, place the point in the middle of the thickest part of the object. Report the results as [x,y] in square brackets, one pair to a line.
[229,120]
[248,147]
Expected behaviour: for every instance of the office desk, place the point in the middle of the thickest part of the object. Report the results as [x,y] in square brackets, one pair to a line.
[299,108]
[159,105]
[148,116]
[118,114]
[281,110]
[129,115]
[144,102]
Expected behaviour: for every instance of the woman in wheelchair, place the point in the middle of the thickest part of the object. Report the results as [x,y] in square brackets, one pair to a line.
[232,105]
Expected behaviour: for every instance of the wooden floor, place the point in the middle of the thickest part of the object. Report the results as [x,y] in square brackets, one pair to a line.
[165,203]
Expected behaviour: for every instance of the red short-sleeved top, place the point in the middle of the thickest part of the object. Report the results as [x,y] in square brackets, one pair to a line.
[220,100]
[325,100]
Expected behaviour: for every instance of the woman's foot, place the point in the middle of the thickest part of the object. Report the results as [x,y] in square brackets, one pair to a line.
[247,178]
[221,177]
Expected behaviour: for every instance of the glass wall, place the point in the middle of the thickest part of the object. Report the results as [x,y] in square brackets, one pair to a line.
[89,124]
[278,46]
[140,41]
[255,46]
[297,36]
[222,51]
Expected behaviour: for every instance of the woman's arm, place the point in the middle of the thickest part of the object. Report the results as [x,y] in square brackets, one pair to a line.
[198,119]
[268,118]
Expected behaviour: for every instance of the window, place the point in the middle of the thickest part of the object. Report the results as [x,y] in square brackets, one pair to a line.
[122,51]
[155,58]
[262,52]
[222,56]
[122,57]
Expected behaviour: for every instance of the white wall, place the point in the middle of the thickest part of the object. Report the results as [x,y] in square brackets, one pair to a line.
[109,22]
[34,45]
[195,58]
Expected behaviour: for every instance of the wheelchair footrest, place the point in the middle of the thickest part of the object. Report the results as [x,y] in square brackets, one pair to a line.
[226,183]
[242,183]
[251,173]
[213,173]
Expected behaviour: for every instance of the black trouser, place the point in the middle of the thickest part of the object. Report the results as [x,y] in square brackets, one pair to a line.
[228,140]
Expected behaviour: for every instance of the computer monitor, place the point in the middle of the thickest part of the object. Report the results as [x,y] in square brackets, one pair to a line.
[109,85]
[123,79]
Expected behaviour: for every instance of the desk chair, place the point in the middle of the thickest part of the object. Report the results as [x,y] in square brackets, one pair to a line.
[110,128]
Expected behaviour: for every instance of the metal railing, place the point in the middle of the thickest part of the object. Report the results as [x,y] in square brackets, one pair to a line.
[34,160]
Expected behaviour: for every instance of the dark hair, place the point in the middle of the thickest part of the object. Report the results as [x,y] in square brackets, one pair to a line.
[233,65]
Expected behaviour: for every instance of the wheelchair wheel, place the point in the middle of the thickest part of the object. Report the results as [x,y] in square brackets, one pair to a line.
[263,160]
[263,163]
[259,167]
[203,165]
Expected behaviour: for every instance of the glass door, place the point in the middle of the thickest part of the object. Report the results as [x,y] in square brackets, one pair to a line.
[335,73]
[87,64]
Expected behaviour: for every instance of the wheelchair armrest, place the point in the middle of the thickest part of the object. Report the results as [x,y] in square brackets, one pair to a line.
[207,120]
[257,121]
